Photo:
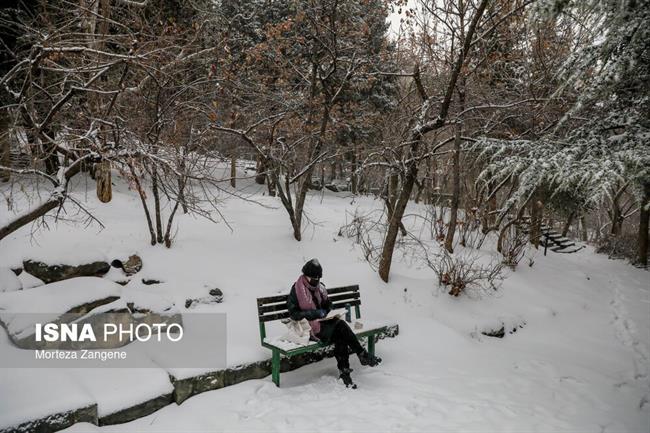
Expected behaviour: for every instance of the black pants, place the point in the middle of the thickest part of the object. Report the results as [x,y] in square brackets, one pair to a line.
[345,341]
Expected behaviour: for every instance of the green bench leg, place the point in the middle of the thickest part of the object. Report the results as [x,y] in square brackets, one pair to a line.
[275,367]
[371,345]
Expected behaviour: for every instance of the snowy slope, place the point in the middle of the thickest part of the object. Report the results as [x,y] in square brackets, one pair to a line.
[579,363]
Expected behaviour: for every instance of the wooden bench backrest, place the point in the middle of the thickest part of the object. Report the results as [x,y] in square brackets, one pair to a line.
[275,307]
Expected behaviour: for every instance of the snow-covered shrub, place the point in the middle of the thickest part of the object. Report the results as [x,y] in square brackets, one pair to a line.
[622,246]
[469,229]
[465,272]
[513,244]
[365,230]
[436,217]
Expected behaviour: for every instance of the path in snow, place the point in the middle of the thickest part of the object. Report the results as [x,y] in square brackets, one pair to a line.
[626,331]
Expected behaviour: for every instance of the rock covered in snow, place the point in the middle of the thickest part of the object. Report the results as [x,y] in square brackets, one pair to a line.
[131,266]
[58,272]
[215,296]
[75,295]
[9,282]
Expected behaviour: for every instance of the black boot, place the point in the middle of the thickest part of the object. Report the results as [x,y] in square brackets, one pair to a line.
[347,380]
[367,359]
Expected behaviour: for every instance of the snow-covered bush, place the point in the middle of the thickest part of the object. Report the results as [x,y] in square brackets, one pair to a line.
[365,230]
[465,272]
[513,243]
[622,246]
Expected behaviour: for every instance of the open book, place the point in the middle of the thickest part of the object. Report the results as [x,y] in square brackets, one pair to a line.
[334,314]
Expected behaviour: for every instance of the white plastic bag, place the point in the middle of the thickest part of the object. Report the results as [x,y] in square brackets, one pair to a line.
[297,332]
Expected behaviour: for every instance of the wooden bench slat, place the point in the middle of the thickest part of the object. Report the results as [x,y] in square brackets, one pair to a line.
[271,308]
[343,289]
[276,316]
[341,304]
[348,297]
[285,314]
[282,298]
[271,299]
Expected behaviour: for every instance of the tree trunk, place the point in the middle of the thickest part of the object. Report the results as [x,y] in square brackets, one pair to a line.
[260,177]
[233,168]
[393,184]
[296,221]
[615,213]
[5,145]
[617,220]
[271,186]
[143,200]
[567,225]
[453,216]
[396,221]
[354,182]
[181,180]
[104,187]
[584,236]
[300,204]
[644,217]
[418,192]
[535,232]
[103,172]
[156,201]
[502,236]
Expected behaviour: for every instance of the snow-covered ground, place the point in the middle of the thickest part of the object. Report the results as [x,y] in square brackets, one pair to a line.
[579,363]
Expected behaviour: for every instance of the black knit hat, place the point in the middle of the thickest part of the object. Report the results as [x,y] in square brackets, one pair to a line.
[312,269]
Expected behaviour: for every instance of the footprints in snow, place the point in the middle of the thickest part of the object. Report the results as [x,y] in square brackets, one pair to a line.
[625,330]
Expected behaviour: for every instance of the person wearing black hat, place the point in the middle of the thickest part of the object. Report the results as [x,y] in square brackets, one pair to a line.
[308,300]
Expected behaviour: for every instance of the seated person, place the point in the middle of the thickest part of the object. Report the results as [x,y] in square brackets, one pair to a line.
[308,300]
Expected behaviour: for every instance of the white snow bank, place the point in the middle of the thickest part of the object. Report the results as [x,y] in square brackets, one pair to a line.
[50,391]
[154,302]
[117,388]
[580,363]
[51,300]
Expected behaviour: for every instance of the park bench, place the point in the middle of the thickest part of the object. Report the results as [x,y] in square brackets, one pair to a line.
[274,308]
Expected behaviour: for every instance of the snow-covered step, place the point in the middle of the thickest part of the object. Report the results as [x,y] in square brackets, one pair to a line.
[563,247]
[569,250]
